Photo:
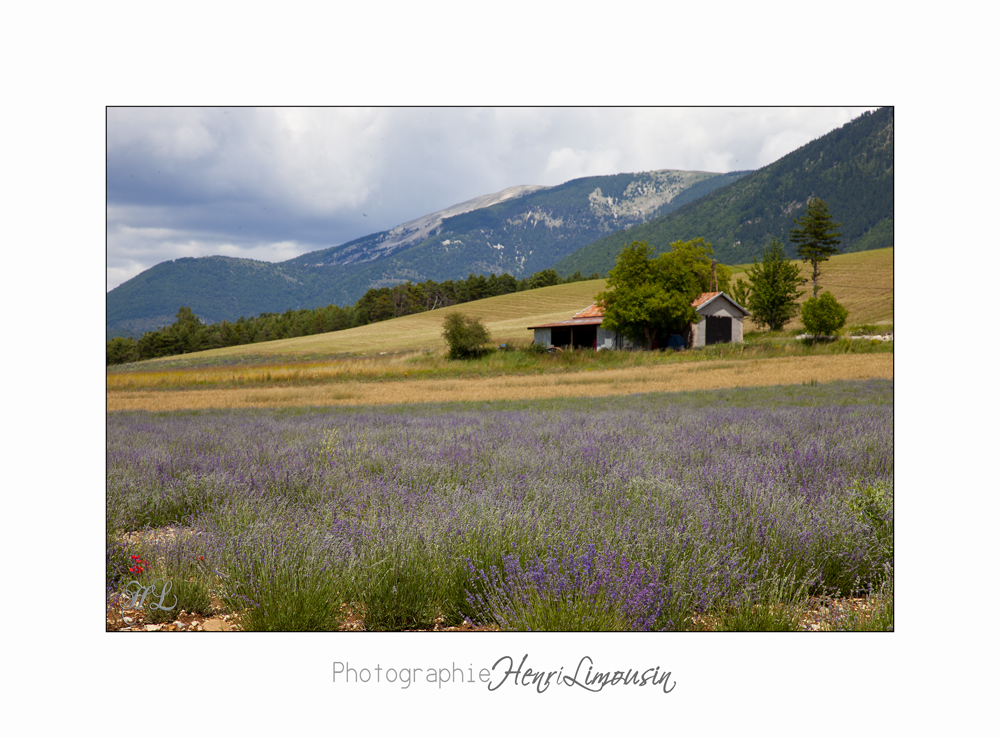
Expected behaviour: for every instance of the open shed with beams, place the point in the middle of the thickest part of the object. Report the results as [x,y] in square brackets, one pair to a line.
[583,330]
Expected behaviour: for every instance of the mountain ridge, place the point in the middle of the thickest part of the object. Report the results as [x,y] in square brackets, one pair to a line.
[406,234]
[579,225]
[519,230]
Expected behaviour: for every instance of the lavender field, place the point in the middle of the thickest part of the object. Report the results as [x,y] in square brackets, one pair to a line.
[645,512]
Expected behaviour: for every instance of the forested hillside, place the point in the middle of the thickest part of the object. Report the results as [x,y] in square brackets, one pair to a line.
[850,168]
[188,332]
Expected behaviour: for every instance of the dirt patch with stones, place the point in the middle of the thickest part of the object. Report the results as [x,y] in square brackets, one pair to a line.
[821,614]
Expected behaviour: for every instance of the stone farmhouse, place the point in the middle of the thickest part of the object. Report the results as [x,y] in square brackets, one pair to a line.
[720,320]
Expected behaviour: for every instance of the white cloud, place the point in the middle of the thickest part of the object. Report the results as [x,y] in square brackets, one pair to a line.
[566,164]
[281,251]
[718,161]
[323,161]
[269,183]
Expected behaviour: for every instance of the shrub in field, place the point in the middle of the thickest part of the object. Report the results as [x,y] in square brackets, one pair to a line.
[467,337]
[565,592]
[185,577]
[279,583]
[760,618]
[171,602]
[399,594]
[775,605]
[877,616]
[873,504]
[116,574]
[117,563]
[823,315]
[176,496]
[193,596]
[117,556]
[145,589]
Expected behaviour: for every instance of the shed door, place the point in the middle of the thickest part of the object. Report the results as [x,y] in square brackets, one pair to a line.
[718,330]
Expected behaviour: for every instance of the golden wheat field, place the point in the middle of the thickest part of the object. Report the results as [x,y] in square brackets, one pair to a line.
[374,363]
[663,378]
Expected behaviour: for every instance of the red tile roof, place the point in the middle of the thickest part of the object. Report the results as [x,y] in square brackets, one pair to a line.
[567,323]
[594,311]
[703,298]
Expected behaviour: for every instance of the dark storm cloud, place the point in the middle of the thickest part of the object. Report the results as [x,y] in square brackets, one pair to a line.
[213,173]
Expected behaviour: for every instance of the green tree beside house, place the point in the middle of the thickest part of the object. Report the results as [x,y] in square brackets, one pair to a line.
[773,290]
[648,295]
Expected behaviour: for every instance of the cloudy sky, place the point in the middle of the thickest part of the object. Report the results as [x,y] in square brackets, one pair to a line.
[274,183]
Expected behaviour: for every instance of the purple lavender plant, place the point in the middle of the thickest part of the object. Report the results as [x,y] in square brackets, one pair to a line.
[697,501]
[566,591]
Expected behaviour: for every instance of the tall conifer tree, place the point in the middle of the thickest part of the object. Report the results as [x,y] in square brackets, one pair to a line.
[815,236]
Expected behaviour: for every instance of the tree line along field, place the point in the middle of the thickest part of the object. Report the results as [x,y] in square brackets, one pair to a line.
[739,509]
[862,282]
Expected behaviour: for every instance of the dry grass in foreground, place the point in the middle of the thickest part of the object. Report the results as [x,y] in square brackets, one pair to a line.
[665,378]
[263,371]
